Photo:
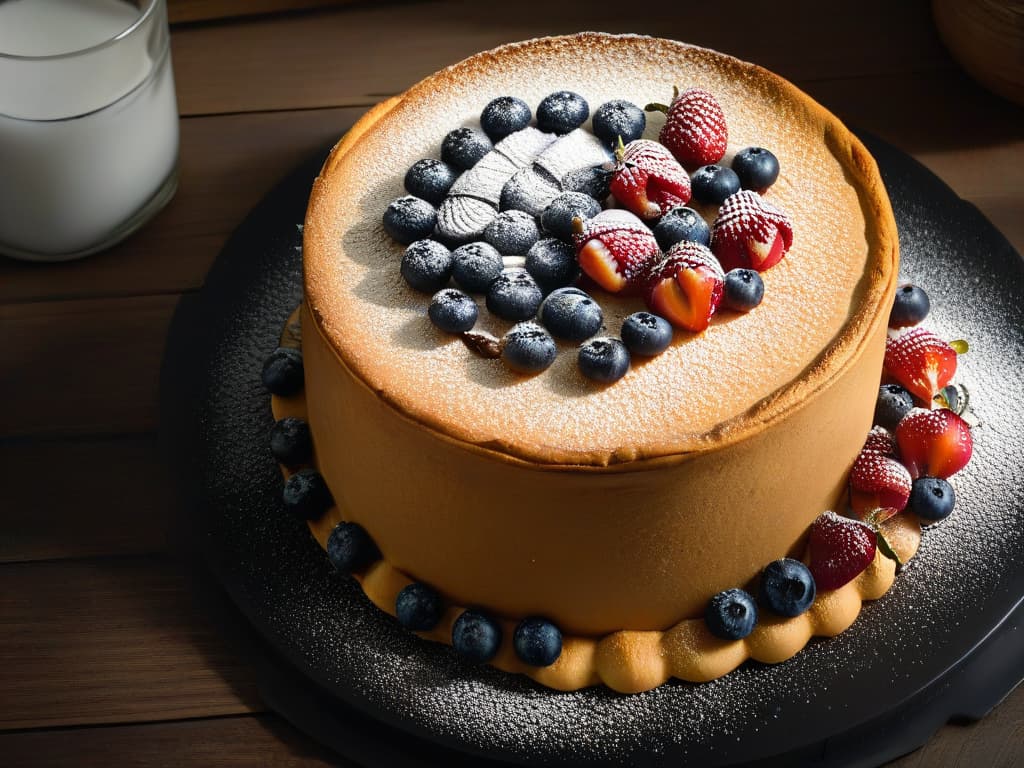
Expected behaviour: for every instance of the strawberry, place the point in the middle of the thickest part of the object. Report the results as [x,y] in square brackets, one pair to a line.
[615,249]
[840,550]
[879,486]
[647,179]
[881,440]
[695,130]
[686,286]
[920,361]
[934,443]
[750,232]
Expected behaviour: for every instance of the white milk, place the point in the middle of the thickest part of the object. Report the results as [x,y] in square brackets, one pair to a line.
[88,143]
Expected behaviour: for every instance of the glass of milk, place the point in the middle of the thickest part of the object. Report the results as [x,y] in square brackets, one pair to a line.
[88,124]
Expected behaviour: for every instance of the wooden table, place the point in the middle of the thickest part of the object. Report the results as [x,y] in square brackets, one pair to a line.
[116,648]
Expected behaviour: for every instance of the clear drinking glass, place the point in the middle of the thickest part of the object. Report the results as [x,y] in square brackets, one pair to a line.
[88,124]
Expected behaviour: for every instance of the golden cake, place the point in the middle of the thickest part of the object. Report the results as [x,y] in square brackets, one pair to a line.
[616,512]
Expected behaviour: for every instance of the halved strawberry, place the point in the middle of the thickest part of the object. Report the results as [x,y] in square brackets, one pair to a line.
[615,249]
[840,550]
[686,286]
[934,443]
[750,232]
[695,130]
[879,487]
[881,440]
[920,361]
[647,179]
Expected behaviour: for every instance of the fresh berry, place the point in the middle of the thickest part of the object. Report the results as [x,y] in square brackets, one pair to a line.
[562,112]
[528,348]
[282,372]
[712,184]
[840,549]
[514,295]
[571,314]
[879,486]
[695,130]
[475,266]
[756,167]
[537,642]
[426,265]
[595,182]
[512,232]
[750,232]
[463,148]
[893,403]
[430,180]
[615,249]
[881,440]
[603,359]
[787,587]
[681,223]
[645,334]
[452,311]
[409,218]
[743,289]
[648,181]
[306,494]
[686,286]
[934,443]
[291,442]
[504,116]
[350,548]
[909,307]
[920,361]
[476,636]
[731,615]
[557,217]
[618,119]
[552,263]
[932,498]
[418,607]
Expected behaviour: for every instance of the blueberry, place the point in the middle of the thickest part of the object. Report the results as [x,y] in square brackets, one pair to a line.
[537,642]
[528,348]
[557,217]
[282,371]
[350,548]
[681,223]
[743,289]
[476,636]
[562,112]
[713,183]
[552,262]
[306,494]
[476,265]
[787,587]
[893,403]
[931,498]
[418,607]
[503,116]
[571,315]
[604,359]
[452,311]
[426,265]
[595,182]
[409,218]
[909,307]
[291,442]
[731,615]
[756,168]
[618,118]
[464,147]
[646,334]
[512,232]
[514,295]
[430,180]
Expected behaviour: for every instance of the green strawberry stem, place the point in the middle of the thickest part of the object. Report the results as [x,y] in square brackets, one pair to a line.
[620,151]
[656,107]
[887,550]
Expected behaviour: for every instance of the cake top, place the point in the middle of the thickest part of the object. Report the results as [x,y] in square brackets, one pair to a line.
[745,370]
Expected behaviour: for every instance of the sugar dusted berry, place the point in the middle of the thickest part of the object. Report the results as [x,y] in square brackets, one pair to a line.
[909,307]
[514,295]
[418,607]
[647,180]
[750,232]
[615,249]
[604,359]
[686,286]
[452,311]
[558,216]
[695,130]
[528,348]
[571,314]
[920,361]
[562,112]
[932,498]
[475,266]
[840,550]
[426,265]
[552,262]
[463,148]
[712,184]
[893,403]
[512,232]
[430,180]
[282,372]
[291,442]
[409,218]
[476,636]
[537,642]
[645,334]
[743,289]
[504,116]
[756,168]
[595,182]
[879,486]
[681,223]
[350,548]
[731,615]
[787,587]
[306,494]
[934,443]
[618,119]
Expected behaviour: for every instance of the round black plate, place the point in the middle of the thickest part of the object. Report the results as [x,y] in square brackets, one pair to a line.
[943,643]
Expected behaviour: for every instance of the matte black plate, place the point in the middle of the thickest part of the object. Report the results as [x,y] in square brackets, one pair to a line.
[943,643]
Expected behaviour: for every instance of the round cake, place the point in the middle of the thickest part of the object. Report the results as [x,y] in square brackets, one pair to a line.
[612,511]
